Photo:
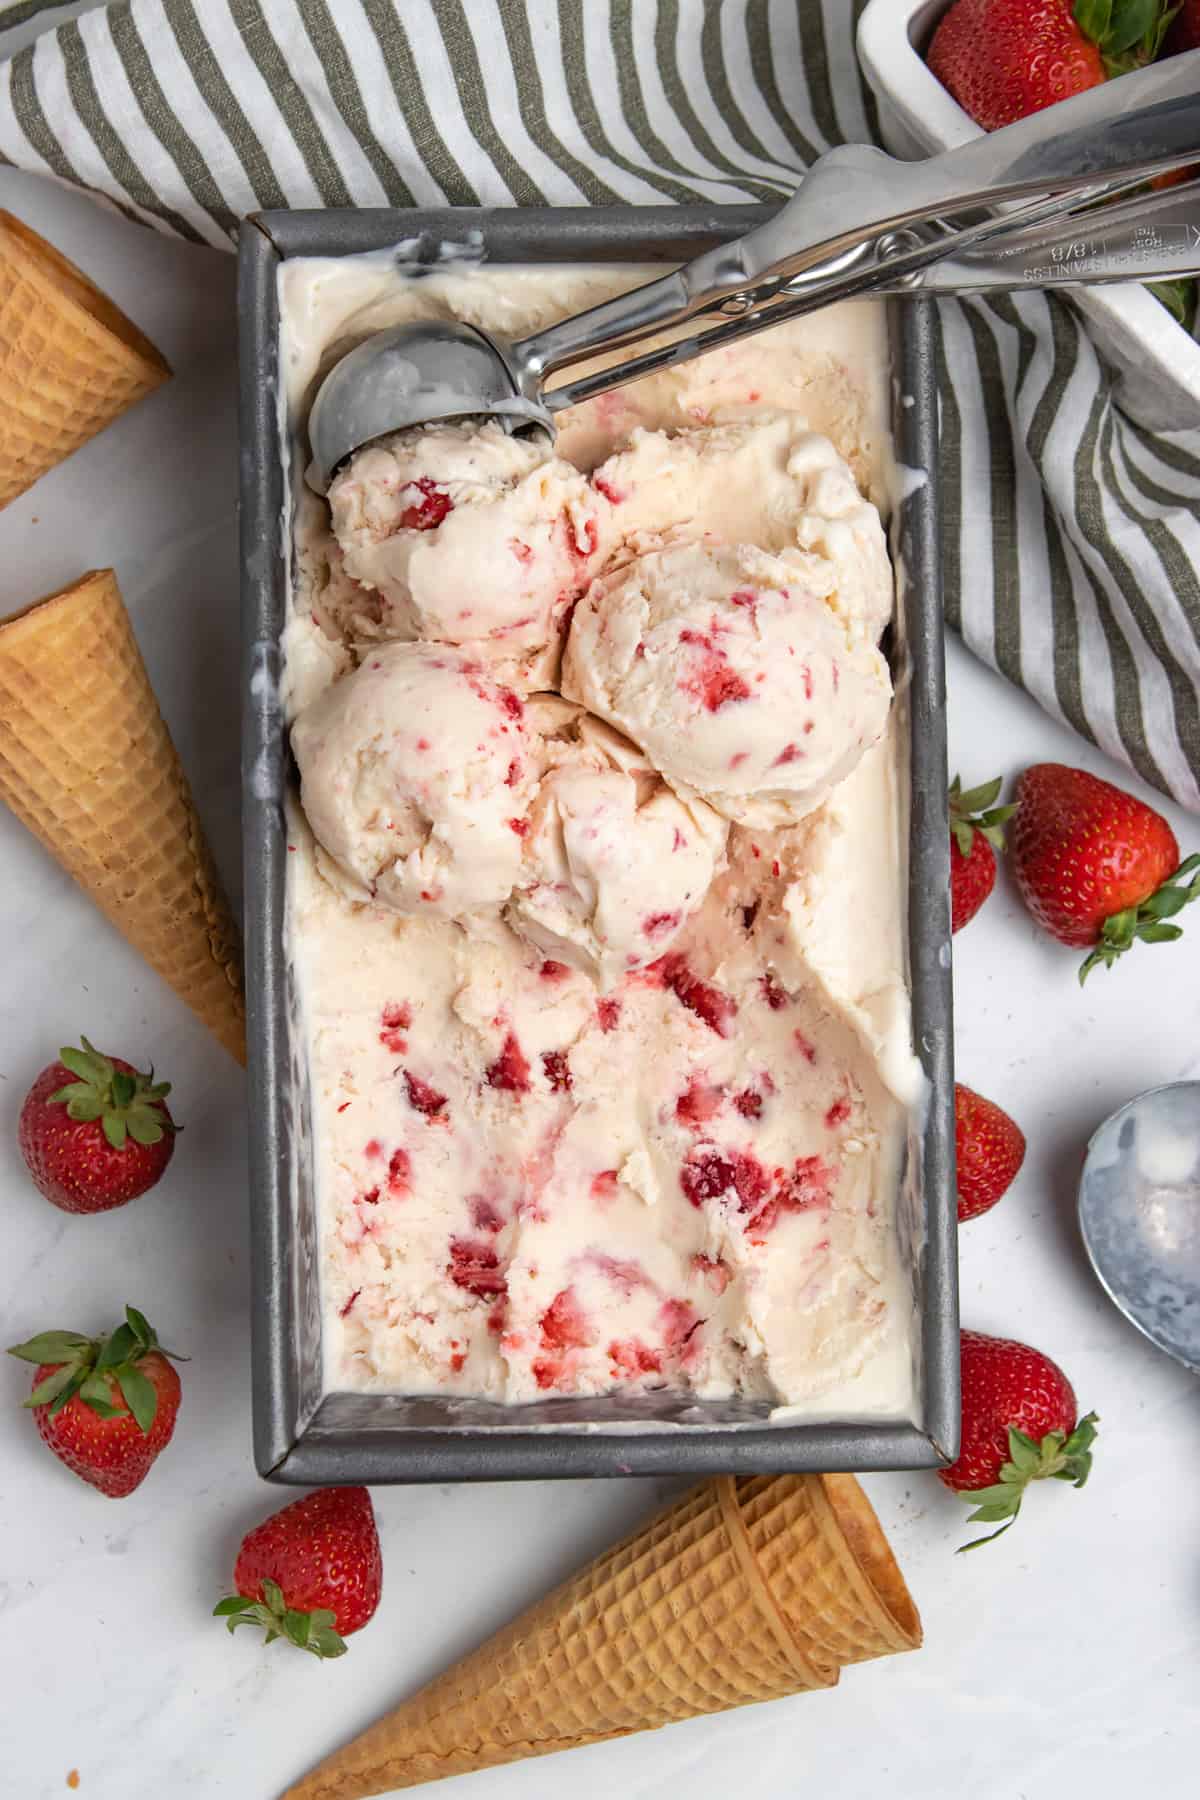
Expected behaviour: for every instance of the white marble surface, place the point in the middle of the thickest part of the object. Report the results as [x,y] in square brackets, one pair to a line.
[1063,1659]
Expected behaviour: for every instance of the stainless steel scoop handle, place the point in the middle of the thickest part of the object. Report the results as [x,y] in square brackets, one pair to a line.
[851,204]
[860,220]
[902,261]
[1151,238]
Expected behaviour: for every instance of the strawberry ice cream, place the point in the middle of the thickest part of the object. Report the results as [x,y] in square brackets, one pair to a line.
[415,776]
[766,480]
[600,991]
[615,863]
[467,535]
[732,671]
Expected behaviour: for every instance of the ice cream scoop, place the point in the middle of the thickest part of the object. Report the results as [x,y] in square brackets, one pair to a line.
[860,221]
[468,534]
[615,863]
[765,479]
[416,775]
[733,671]
[1139,1211]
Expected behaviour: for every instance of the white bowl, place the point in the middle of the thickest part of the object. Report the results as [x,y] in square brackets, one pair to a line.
[1156,360]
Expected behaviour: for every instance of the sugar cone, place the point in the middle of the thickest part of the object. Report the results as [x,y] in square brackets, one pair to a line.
[831,1569]
[676,1621]
[70,361]
[87,763]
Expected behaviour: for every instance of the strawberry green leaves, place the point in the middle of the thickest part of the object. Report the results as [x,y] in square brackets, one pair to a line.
[76,1356]
[1128,33]
[128,1105]
[976,811]
[52,1346]
[1057,1458]
[89,1367]
[312,1631]
[1179,298]
[1147,923]
[139,1396]
[58,1386]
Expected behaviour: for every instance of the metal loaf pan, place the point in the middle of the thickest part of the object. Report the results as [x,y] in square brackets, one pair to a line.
[303,1434]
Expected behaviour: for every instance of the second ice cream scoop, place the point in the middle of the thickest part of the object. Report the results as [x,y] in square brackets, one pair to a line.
[467,534]
[615,863]
[415,776]
[733,672]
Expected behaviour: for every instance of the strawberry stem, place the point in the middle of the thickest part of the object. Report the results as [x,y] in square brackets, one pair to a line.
[1057,1458]
[1148,922]
[127,1105]
[312,1631]
[1128,33]
[976,811]
[88,1367]
[1179,298]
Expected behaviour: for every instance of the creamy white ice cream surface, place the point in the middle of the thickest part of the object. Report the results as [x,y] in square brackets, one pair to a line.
[601,990]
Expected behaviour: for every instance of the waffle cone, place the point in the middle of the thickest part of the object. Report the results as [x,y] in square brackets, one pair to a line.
[87,763]
[829,1566]
[70,361]
[680,1619]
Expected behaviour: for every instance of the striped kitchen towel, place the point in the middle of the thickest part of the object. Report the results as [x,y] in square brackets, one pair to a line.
[1072,535]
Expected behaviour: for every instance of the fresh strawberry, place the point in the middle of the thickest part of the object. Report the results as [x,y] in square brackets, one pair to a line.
[106,1406]
[990,1148]
[1020,1424]
[95,1131]
[1003,59]
[311,1573]
[976,833]
[1185,29]
[1095,866]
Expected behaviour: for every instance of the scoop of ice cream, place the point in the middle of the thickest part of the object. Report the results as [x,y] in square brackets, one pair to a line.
[767,480]
[615,863]
[732,672]
[829,369]
[416,775]
[468,534]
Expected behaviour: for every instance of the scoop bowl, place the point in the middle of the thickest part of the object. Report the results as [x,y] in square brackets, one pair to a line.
[1139,1212]
[413,375]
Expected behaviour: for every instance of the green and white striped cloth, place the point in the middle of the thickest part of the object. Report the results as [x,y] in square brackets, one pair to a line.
[1072,536]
